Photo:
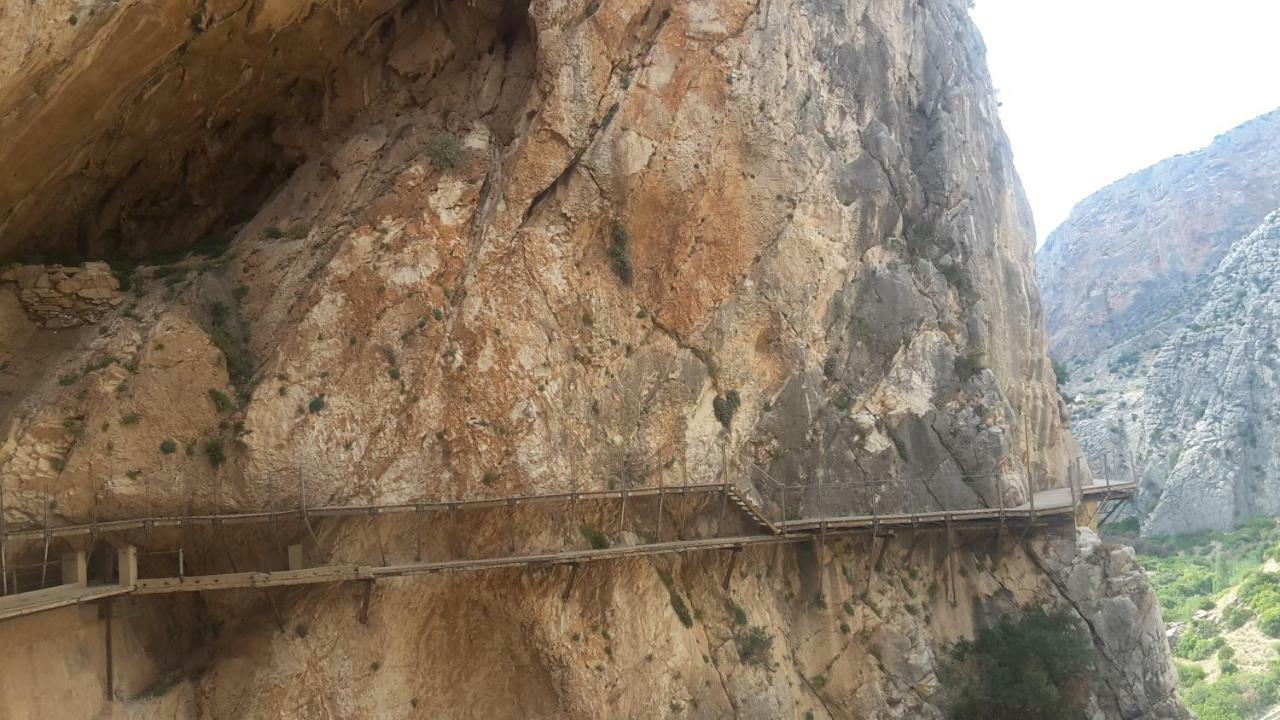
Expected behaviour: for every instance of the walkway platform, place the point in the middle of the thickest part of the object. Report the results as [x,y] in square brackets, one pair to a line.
[1050,506]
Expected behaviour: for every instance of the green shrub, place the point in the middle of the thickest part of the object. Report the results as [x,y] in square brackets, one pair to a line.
[596,539]
[677,602]
[130,418]
[1269,622]
[215,451]
[445,151]
[1235,615]
[221,401]
[755,646]
[1189,674]
[1037,665]
[1198,641]
[620,253]
[168,447]
[1061,374]
[316,404]
[725,406]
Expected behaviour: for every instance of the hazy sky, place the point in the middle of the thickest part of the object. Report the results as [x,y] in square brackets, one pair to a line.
[1093,90]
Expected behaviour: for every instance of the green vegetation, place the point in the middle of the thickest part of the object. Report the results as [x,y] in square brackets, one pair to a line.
[130,418]
[445,151]
[620,253]
[1199,641]
[230,334]
[755,646]
[168,447]
[1190,570]
[595,538]
[316,404]
[1196,572]
[215,451]
[1037,665]
[1233,695]
[677,602]
[1061,373]
[725,406]
[221,401]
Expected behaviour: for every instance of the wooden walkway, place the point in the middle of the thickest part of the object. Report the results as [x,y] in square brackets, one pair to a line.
[1044,507]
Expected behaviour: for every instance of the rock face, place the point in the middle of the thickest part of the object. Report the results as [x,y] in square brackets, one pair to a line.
[1127,258]
[63,297]
[486,248]
[1212,425]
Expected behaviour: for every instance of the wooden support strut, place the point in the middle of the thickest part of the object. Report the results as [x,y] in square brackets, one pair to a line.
[275,611]
[733,563]
[573,578]
[951,565]
[105,609]
[4,577]
[363,617]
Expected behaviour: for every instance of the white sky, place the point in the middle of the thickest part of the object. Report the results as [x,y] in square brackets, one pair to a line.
[1093,90]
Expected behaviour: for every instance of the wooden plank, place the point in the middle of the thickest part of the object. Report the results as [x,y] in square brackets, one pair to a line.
[12,606]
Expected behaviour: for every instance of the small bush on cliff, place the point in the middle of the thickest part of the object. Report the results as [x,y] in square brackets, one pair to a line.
[221,401]
[755,646]
[1037,665]
[620,253]
[1061,373]
[725,406]
[445,151]
[677,602]
[596,539]
[215,451]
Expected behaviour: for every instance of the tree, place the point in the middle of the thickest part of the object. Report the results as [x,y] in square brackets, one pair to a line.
[1036,665]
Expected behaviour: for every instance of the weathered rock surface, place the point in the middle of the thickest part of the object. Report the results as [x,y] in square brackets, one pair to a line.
[521,250]
[63,297]
[1212,425]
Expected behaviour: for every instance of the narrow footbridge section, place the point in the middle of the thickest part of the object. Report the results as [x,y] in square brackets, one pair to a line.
[711,517]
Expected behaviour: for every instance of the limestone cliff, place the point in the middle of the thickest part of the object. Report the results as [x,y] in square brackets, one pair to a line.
[472,249]
[1209,438]
[1122,266]
[1131,282]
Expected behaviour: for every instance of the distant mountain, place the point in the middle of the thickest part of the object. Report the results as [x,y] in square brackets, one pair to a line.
[1157,292]
[1124,260]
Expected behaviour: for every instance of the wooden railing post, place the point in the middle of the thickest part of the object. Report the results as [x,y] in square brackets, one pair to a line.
[661,488]
[4,577]
[782,501]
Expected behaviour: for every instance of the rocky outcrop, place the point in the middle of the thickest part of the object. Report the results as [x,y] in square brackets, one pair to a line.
[527,249]
[1107,588]
[63,297]
[1125,262]
[1212,425]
